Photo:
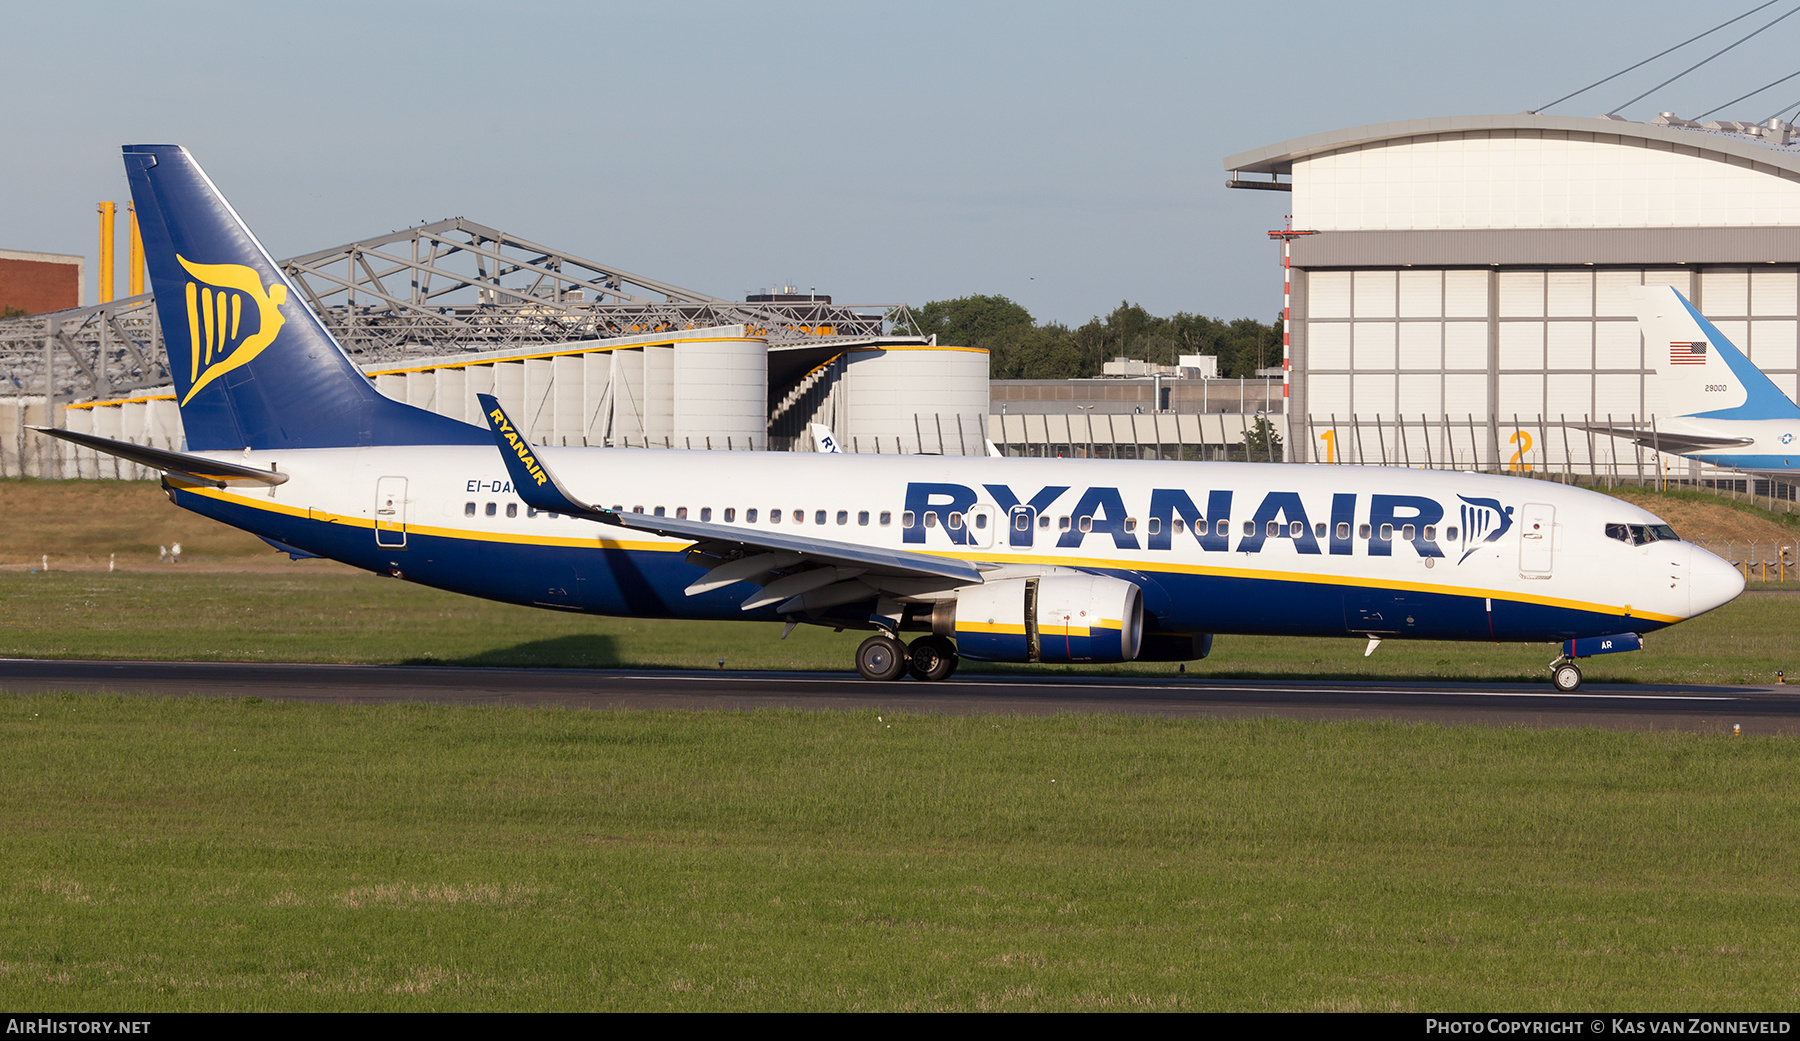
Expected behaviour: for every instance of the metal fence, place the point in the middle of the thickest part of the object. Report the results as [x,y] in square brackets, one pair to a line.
[1168,435]
[1759,561]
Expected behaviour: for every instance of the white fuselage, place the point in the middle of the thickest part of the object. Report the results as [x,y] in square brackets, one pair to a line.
[1217,547]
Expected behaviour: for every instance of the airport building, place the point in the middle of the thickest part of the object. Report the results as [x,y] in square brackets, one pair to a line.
[583,353]
[1456,286]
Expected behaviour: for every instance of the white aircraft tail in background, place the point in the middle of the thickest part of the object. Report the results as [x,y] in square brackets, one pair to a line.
[1722,409]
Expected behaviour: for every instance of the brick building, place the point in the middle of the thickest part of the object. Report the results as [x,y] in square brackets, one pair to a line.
[39,282]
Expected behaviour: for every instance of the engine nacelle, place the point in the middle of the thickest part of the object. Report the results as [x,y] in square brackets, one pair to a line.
[1055,618]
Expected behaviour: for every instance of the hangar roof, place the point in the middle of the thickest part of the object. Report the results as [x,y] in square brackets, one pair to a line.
[1724,141]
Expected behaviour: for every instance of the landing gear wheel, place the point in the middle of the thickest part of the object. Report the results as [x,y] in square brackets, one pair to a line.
[932,658]
[881,658]
[1566,677]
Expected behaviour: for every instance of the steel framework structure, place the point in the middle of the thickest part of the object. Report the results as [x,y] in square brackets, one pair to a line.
[426,291]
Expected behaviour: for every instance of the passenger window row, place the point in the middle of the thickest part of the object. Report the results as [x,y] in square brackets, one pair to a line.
[730,515]
[512,510]
[1635,534]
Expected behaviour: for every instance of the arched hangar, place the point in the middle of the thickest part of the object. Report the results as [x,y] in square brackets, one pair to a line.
[1452,278]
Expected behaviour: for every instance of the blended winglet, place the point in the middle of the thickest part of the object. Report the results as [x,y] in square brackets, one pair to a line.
[533,482]
[531,479]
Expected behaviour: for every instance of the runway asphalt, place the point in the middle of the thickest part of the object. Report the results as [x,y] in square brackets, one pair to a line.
[1760,710]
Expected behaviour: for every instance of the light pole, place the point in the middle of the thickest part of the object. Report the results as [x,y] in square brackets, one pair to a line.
[1089,417]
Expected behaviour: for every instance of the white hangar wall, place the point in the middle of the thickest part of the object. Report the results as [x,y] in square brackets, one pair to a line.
[1563,341]
[1459,280]
[1534,179]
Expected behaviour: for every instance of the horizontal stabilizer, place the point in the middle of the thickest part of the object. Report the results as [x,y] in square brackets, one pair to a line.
[200,468]
[1663,441]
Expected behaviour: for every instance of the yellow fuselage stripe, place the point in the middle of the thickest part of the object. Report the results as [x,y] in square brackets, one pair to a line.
[1096,563]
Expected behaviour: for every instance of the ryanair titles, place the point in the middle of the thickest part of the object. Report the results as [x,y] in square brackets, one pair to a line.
[497,420]
[937,511]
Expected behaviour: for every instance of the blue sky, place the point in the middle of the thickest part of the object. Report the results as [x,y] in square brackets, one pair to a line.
[1067,155]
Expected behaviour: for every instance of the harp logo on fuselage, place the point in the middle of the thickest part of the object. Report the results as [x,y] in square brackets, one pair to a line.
[231,318]
[1483,521]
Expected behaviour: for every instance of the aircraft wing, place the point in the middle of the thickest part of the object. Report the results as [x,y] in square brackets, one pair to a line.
[1662,440]
[207,471]
[844,554]
[799,572]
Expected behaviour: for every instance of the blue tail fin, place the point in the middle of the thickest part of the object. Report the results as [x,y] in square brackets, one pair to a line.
[253,367]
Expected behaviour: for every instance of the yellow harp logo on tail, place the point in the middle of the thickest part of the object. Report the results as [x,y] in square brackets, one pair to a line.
[217,298]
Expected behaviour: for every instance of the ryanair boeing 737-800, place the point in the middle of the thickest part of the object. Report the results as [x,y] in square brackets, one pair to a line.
[1011,560]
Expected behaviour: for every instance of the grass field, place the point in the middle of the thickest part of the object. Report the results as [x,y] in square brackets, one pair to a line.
[180,854]
[88,524]
[169,854]
[344,616]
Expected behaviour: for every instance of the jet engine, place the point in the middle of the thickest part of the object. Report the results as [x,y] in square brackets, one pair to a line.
[1054,618]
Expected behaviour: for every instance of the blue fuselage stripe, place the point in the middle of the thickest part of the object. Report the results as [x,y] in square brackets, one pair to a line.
[649,584]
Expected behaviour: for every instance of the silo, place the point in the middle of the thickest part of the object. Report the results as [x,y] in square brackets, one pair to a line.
[915,398]
[721,392]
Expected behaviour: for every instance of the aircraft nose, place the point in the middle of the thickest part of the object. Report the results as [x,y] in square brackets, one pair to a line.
[1711,583]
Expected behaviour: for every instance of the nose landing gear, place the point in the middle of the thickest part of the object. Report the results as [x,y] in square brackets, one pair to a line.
[1565,675]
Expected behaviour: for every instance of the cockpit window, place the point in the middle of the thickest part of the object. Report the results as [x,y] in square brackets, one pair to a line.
[1641,534]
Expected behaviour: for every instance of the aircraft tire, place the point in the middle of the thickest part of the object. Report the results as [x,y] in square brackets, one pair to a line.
[932,658]
[1566,677]
[881,658]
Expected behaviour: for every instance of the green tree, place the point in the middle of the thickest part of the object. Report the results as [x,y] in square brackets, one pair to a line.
[1262,442]
[973,321]
[1020,348]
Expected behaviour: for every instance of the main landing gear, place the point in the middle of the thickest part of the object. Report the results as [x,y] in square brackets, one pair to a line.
[1565,676]
[930,658]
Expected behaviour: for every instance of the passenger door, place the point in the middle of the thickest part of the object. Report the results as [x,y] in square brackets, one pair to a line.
[390,512]
[1537,539]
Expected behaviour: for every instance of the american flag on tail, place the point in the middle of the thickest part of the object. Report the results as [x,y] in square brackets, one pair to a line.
[1689,353]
